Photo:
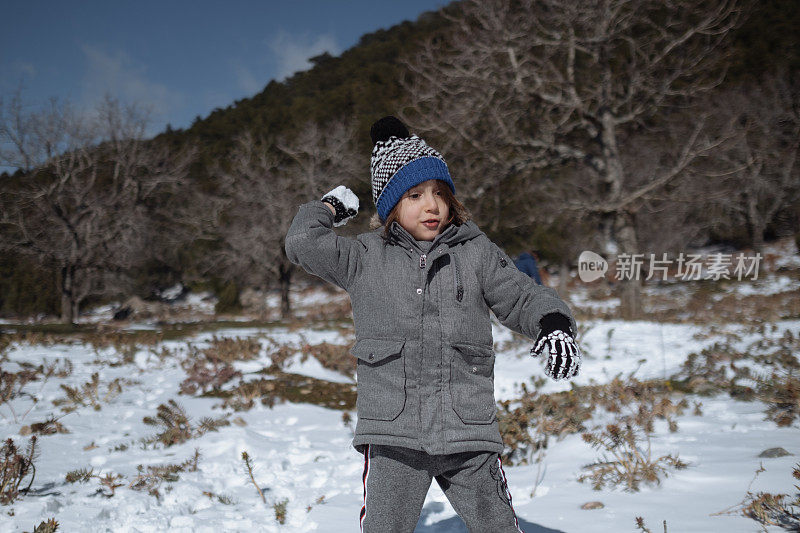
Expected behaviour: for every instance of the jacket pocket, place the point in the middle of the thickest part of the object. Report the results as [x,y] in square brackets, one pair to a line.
[472,383]
[381,378]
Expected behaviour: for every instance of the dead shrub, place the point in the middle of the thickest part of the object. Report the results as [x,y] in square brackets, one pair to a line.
[59,367]
[639,402]
[722,368]
[34,338]
[280,510]
[708,302]
[279,352]
[153,477]
[204,376]
[109,483]
[248,466]
[176,427]
[773,510]
[149,479]
[15,468]
[625,461]
[228,350]
[293,388]
[334,357]
[781,393]
[5,341]
[715,370]
[779,353]
[224,499]
[121,341]
[50,426]
[81,475]
[13,384]
[89,394]
[527,427]
[210,368]
[243,397]
[163,353]
[46,526]
[534,417]
[643,528]
[769,509]
[123,344]
[335,310]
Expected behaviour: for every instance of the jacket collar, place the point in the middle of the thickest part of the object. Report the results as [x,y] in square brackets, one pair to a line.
[450,236]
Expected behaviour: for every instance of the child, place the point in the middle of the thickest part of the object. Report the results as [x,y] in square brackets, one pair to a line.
[527,264]
[421,291]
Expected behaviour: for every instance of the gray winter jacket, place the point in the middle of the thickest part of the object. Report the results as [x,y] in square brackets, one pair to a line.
[424,345]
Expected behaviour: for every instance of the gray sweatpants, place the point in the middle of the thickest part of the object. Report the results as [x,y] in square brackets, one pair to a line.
[396,481]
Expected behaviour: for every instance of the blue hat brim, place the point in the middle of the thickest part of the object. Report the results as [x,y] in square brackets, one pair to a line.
[410,175]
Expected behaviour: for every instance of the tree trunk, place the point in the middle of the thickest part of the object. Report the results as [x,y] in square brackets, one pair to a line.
[758,237]
[286,281]
[755,224]
[624,228]
[67,294]
[263,308]
[630,292]
[563,279]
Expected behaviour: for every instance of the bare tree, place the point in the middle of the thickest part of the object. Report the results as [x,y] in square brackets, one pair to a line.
[526,85]
[767,176]
[264,184]
[20,144]
[83,207]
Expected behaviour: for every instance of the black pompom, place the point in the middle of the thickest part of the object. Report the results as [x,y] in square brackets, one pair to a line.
[388,127]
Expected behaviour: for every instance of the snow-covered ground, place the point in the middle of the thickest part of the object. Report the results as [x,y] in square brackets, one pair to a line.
[302,452]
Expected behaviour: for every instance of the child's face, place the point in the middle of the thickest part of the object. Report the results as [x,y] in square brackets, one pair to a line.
[423,210]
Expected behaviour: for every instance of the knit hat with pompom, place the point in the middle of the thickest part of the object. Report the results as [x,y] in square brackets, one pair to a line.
[400,161]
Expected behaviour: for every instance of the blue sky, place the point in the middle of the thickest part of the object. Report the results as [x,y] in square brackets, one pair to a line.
[181,58]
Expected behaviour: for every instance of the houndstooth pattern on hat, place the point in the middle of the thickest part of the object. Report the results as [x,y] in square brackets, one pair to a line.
[391,155]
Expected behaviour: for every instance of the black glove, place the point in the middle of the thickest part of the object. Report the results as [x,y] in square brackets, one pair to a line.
[557,342]
[345,202]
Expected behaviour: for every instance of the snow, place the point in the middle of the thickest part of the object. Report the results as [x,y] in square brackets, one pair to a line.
[313,368]
[172,292]
[302,452]
[203,301]
[785,252]
[303,299]
[771,285]
[581,299]
[99,314]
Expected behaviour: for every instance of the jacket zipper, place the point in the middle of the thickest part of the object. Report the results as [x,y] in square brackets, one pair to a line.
[457,279]
[423,261]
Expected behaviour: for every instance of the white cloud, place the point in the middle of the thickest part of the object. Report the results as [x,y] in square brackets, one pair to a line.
[120,76]
[247,80]
[292,51]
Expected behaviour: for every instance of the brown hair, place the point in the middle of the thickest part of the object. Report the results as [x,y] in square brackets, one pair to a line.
[458,214]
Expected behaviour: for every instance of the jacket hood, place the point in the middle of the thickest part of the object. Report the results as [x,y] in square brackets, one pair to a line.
[452,235]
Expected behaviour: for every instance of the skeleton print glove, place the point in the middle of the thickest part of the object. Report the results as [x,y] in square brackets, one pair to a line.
[563,357]
[345,202]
